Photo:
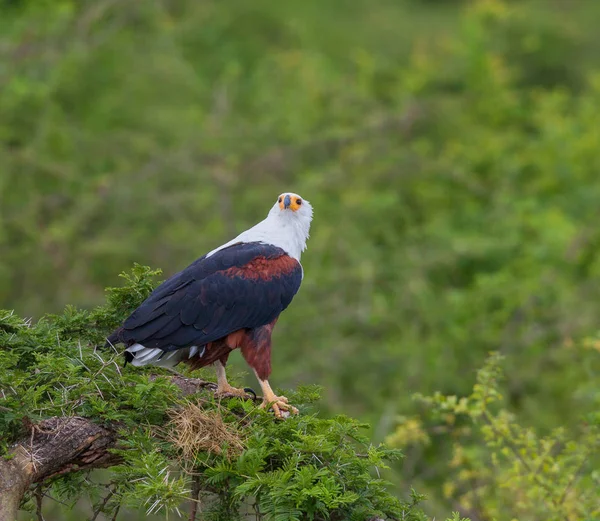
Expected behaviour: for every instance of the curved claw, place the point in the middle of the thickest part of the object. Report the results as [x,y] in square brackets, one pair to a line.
[230,392]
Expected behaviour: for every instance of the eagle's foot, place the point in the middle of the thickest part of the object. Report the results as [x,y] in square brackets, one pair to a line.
[224,390]
[280,406]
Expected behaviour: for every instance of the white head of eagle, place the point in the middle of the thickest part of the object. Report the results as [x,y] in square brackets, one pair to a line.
[230,298]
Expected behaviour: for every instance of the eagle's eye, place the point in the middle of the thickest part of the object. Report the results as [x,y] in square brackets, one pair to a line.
[298,201]
[279,200]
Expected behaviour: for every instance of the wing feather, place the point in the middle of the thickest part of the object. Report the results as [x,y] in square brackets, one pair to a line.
[151,329]
[246,285]
[173,326]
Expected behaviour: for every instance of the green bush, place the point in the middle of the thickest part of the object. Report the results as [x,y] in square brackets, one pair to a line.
[500,469]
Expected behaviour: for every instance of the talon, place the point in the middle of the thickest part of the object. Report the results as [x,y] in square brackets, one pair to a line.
[276,410]
[228,392]
[225,390]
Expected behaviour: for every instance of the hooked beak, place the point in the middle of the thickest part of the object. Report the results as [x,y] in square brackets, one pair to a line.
[286,202]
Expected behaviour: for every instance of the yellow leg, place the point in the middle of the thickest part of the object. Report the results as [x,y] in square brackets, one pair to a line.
[279,404]
[223,387]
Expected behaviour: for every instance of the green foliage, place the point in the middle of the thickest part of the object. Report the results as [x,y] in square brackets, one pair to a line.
[501,469]
[58,367]
[318,473]
[303,468]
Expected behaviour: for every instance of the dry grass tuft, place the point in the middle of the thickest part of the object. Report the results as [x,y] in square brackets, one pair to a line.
[194,430]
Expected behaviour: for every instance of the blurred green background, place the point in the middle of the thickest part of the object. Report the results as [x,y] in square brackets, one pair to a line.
[451,150]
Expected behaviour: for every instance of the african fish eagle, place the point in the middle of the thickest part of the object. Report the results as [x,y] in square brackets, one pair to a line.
[229,298]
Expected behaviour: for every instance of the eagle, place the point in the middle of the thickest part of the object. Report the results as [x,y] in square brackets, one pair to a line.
[230,298]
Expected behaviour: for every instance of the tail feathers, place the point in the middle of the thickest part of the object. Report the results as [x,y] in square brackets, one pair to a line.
[138,355]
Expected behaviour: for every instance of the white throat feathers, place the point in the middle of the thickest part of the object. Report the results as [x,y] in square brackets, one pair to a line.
[285,228]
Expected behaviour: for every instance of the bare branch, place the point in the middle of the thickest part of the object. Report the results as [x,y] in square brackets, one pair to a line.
[114,517]
[39,498]
[101,506]
[194,497]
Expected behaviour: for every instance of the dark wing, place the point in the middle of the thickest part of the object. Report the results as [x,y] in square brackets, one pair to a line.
[246,285]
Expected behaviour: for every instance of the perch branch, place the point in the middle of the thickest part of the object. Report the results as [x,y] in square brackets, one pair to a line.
[60,445]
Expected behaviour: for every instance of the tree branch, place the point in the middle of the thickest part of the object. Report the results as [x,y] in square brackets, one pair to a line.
[56,446]
[39,500]
[60,445]
[194,497]
[102,505]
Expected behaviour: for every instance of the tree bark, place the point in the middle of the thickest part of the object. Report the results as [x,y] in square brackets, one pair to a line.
[55,446]
[13,485]
[60,445]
